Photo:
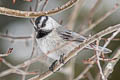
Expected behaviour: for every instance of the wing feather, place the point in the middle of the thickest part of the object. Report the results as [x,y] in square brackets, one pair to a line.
[69,35]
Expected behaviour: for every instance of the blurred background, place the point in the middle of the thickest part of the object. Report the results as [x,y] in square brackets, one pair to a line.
[22,49]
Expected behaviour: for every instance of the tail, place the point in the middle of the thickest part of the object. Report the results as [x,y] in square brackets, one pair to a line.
[99,48]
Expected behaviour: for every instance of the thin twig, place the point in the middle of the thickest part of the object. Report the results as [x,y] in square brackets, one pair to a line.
[16,70]
[109,68]
[98,63]
[109,39]
[7,53]
[105,45]
[26,63]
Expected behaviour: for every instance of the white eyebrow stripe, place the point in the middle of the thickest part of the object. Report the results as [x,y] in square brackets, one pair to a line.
[41,21]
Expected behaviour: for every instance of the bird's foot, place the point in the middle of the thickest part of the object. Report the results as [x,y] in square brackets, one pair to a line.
[61,60]
[51,68]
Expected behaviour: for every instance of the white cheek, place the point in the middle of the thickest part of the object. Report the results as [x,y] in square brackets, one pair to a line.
[48,26]
[51,24]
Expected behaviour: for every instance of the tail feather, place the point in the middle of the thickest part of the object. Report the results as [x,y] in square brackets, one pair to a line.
[99,48]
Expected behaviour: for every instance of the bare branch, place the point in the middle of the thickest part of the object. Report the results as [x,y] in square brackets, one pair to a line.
[30,14]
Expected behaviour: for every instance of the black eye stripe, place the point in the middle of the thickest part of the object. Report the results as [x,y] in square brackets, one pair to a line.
[38,20]
[44,22]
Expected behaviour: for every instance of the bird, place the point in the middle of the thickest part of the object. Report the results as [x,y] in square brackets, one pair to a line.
[50,34]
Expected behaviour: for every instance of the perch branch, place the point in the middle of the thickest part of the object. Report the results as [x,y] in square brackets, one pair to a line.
[31,14]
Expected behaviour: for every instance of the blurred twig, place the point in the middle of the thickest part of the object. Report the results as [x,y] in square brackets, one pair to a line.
[85,71]
[74,15]
[115,39]
[91,14]
[89,76]
[14,38]
[15,70]
[116,7]
[46,1]
[26,63]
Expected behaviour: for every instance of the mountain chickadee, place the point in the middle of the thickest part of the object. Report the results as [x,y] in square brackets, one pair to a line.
[51,34]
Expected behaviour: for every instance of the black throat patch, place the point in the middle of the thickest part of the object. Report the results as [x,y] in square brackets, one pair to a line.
[41,33]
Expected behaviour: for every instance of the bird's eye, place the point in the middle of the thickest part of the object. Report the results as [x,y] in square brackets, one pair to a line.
[43,24]
[44,21]
[37,21]
[41,21]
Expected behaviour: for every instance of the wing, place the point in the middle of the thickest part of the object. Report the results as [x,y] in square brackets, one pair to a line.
[69,35]
[73,36]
